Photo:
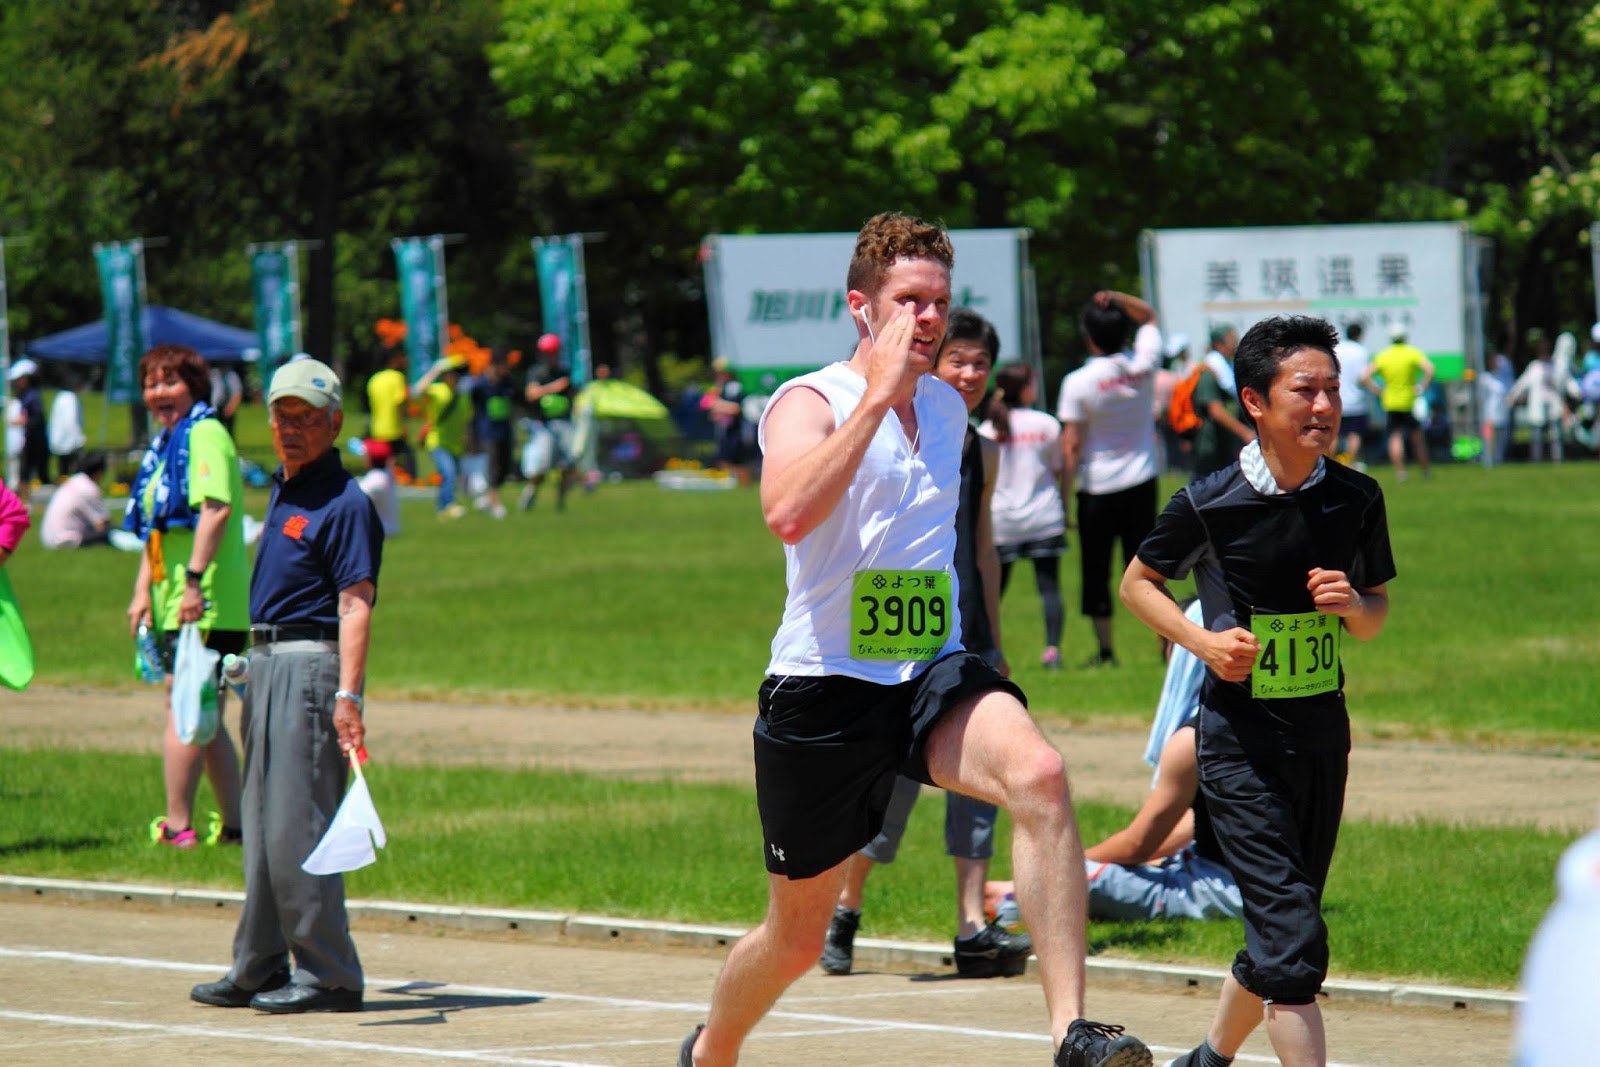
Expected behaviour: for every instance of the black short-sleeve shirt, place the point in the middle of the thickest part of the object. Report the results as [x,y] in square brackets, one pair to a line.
[1254,553]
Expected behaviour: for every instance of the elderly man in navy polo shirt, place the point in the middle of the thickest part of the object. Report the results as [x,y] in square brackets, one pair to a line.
[311,600]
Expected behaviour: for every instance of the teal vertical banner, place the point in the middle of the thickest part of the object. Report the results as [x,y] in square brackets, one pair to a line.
[277,308]
[561,294]
[121,291]
[420,263]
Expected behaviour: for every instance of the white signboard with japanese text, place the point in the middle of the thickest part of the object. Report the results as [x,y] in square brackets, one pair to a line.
[1415,275]
[777,301]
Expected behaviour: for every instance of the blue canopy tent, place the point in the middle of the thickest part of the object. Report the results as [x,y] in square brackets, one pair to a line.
[215,341]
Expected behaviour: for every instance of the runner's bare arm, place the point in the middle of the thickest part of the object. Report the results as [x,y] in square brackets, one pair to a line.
[1364,611]
[808,463]
[1230,654]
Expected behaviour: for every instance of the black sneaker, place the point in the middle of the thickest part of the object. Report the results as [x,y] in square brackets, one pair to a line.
[1098,1045]
[1098,660]
[993,952]
[838,951]
[686,1052]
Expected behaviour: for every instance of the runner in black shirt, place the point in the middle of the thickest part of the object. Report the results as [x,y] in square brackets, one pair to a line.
[1289,552]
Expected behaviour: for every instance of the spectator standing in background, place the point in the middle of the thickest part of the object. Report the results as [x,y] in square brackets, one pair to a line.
[35,451]
[388,393]
[1494,396]
[227,393]
[1353,358]
[1108,444]
[65,432]
[1223,430]
[1405,374]
[379,485]
[1029,517]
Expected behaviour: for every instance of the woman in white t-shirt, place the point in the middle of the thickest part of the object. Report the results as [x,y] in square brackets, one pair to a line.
[1028,518]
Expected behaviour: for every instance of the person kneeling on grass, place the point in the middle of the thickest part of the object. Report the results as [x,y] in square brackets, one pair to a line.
[1289,552]
[1166,863]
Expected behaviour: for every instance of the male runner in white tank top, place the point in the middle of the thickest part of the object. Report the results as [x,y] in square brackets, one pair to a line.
[868,677]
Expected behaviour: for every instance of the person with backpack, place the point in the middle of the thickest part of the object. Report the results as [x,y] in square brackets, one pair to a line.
[1220,430]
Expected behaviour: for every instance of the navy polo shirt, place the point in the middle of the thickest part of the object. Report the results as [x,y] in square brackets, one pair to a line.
[321,535]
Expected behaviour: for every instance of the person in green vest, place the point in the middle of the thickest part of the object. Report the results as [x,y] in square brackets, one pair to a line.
[448,413]
[187,507]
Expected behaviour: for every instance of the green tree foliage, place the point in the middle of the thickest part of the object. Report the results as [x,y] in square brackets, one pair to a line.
[217,122]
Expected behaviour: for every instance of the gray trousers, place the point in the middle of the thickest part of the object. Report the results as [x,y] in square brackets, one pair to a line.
[968,824]
[294,779]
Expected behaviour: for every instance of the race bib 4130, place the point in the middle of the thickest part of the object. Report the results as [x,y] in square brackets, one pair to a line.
[1299,655]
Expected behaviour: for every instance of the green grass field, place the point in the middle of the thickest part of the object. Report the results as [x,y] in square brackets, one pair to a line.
[636,596]
[691,852]
[640,596]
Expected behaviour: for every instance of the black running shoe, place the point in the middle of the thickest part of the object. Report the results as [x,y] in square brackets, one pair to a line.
[993,952]
[838,951]
[1098,1045]
[686,1052]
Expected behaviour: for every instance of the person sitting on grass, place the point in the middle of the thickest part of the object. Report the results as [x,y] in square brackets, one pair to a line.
[1166,863]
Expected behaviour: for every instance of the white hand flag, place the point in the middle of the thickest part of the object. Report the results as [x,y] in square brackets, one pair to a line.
[347,846]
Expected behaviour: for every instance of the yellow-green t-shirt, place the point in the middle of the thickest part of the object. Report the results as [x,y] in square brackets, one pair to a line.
[1400,367]
[214,474]
[447,421]
[387,393]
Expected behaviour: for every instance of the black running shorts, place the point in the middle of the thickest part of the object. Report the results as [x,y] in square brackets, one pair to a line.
[828,749]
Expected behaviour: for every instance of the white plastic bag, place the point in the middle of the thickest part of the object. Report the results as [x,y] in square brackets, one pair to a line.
[194,717]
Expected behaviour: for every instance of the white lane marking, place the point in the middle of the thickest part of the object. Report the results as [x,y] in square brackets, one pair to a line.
[171,1030]
[402,985]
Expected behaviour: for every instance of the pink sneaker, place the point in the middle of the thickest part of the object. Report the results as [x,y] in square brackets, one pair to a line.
[1050,660]
[161,835]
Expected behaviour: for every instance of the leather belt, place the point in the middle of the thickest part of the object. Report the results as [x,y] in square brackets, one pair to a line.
[267,635]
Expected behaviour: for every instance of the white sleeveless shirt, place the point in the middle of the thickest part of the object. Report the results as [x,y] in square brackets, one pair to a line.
[898,514]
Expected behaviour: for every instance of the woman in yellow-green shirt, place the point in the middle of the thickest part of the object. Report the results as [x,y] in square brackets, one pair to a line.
[187,506]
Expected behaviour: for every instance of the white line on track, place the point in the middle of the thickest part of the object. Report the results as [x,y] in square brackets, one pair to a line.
[831,1024]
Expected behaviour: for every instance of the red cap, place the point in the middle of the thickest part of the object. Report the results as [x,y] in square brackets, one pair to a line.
[548,342]
[378,451]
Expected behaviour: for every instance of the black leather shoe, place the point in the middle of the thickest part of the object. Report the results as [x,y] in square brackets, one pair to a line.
[224,994]
[295,999]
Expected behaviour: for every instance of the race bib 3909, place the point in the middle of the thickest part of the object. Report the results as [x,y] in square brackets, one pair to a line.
[899,614]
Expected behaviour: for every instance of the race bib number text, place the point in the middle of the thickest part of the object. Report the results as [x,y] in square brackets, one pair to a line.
[1299,655]
[899,614]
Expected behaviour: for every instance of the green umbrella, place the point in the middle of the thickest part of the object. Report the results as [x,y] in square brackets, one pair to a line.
[609,398]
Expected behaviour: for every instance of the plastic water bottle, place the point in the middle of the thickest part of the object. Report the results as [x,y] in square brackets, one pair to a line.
[236,672]
[1008,915]
[147,656]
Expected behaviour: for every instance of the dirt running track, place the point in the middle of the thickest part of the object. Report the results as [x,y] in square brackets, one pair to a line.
[1395,782]
[109,985]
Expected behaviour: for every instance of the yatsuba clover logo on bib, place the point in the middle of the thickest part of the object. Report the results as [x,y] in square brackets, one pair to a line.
[899,614]
[1299,655]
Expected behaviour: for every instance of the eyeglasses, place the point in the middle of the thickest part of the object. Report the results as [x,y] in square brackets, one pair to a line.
[307,420]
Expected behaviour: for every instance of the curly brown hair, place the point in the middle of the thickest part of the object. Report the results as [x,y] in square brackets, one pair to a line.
[892,236]
[183,361]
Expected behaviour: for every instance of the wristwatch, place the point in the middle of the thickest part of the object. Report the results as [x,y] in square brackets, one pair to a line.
[345,694]
[192,575]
